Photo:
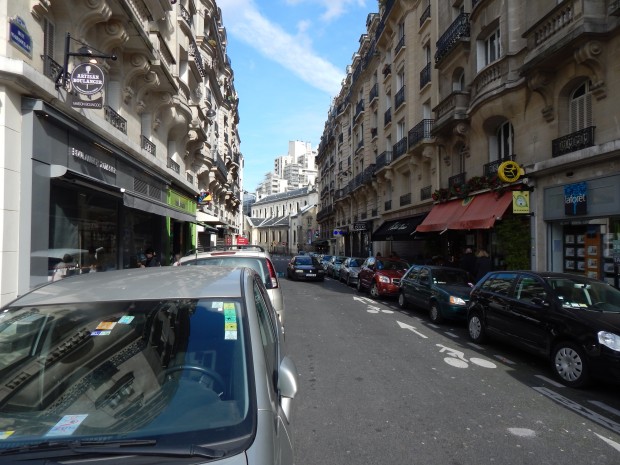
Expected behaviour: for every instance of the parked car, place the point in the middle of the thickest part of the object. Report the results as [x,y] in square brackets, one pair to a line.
[324,260]
[349,270]
[442,291]
[252,256]
[381,276]
[571,319]
[333,266]
[147,364]
[305,267]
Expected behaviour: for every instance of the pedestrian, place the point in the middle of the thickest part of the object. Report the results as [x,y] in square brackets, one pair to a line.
[468,262]
[483,264]
[151,258]
[65,268]
[176,259]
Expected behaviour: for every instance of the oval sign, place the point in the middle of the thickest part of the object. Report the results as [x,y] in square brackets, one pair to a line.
[509,171]
[87,79]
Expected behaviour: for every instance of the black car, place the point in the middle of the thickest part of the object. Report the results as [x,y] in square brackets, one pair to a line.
[571,319]
[305,267]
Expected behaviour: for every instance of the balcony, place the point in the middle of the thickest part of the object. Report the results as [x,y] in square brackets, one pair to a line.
[173,165]
[420,132]
[374,93]
[490,79]
[374,212]
[359,109]
[399,98]
[194,52]
[399,45]
[425,75]
[572,142]
[147,145]
[51,69]
[457,32]
[426,14]
[425,193]
[400,148]
[387,117]
[456,180]
[368,174]
[387,206]
[451,109]
[383,159]
[405,199]
[115,119]
[373,132]
[220,165]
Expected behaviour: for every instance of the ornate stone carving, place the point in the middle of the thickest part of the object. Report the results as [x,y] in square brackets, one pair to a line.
[542,83]
[588,55]
[40,9]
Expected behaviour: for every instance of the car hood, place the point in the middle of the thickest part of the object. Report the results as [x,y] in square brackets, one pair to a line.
[457,290]
[599,321]
[391,273]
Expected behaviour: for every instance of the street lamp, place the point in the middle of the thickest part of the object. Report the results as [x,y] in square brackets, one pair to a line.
[83,51]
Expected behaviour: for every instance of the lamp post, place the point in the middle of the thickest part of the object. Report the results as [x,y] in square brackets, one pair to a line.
[83,51]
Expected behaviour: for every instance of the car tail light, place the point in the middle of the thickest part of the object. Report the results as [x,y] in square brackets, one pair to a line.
[272,274]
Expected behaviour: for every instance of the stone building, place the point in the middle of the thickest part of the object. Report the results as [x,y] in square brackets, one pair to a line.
[480,123]
[116,114]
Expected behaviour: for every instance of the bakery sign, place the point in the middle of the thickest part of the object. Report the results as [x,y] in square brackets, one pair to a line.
[88,80]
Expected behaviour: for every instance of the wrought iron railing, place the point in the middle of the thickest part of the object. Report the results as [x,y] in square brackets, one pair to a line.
[420,131]
[387,205]
[194,52]
[399,98]
[384,159]
[147,145]
[405,199]
[572,142]
[374,92]
[457,180]
[51,69]
[359,108]
[173,165]
[399,45]
[116,120]
[425,75]
[426,14]
[425,193]
[387,117]
[458,30]
[400,147]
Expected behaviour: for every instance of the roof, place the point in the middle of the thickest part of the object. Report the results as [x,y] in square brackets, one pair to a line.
[169,282]
[284,195]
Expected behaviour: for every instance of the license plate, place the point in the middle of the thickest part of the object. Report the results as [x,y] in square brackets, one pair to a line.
[311,275]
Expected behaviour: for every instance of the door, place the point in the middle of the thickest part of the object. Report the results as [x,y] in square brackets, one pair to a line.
[495,299]
[422,288]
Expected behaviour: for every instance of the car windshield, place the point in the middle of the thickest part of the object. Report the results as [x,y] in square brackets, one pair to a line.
[578,293]
[450,277]
[392,265]
[356,262]
[172,371]
[257,264]
[303,260]
[338,260]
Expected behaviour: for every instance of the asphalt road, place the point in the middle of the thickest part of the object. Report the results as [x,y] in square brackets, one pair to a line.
[383,386]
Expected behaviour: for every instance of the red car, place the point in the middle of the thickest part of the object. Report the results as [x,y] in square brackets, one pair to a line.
[381,276]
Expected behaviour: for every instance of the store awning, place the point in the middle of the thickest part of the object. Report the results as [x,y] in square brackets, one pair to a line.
[476,212]
[132,201]
[398,230]
[206,218]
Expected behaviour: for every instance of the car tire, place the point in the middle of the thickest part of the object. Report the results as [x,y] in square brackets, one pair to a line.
[374,291]
[435,313]
[570,365]
[402,301]
[475,328]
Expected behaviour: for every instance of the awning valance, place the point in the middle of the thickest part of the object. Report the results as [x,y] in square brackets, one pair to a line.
[398,230]
[133,201]
[476,212]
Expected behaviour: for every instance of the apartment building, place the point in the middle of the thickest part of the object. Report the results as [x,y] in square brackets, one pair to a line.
[479,123]
[116,115]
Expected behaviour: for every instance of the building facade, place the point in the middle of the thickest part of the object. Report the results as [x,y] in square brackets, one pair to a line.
[483,124]
[104,160]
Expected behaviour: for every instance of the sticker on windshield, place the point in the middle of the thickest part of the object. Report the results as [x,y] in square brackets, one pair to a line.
[100,333]
[230,316]
[125,320]
[230,335]
[67,425]
[230,326]
[5,434]
[106,325]
[218,305]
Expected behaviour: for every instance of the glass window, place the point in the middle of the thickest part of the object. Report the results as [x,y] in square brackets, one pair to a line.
[268,330]
[529,288]
[499,283]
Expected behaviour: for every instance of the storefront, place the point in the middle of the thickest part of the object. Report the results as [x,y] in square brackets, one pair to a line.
[401,236]
[90,199]
[359,239]
[583,221]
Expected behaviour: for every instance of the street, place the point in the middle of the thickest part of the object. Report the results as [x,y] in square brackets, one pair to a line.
[383,386]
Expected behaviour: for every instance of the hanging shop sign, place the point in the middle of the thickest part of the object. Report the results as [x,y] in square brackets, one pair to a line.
[521,202]
[360,226]
[576,199]
[509,171]
[88,80]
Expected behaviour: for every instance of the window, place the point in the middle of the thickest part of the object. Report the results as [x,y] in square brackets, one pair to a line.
[501,144]
[529,288]
[499,283]
[489,49]
[581,108]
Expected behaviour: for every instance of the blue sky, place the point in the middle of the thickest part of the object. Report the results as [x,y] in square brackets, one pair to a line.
[289,58]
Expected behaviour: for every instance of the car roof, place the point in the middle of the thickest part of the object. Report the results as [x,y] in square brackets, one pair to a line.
[155,283]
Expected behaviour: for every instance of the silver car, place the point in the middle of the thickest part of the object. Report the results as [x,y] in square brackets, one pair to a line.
[252,256]
[158,365]
[349,270]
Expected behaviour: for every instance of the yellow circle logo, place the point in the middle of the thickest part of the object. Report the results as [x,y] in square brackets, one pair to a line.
[509,171]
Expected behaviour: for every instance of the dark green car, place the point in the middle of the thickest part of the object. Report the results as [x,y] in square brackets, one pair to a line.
[442,291]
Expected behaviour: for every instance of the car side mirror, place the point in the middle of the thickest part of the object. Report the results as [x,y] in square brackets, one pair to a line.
[539,302]
[288,385]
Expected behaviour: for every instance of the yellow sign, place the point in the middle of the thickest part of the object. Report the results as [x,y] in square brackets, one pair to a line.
[510,171]
[520,202]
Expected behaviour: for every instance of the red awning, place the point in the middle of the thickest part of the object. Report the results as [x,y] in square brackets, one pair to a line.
[477,212]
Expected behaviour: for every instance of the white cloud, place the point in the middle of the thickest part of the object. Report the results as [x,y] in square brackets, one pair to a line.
[333,8]
[243,19]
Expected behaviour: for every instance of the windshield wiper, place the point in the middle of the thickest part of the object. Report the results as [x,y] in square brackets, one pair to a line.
[143,447]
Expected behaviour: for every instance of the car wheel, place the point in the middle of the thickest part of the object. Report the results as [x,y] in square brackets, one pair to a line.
[374,291]
[435,313]
[475,327]
[402,302]
[570,364]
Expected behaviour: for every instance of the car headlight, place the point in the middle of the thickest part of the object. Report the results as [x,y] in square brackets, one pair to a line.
[610,340]
[384,279]
[299,271]
[457,301]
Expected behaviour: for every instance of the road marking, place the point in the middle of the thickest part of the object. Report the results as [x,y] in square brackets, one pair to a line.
[613,444]
[606,407]
[550,381]
[580,409]
[362,299]
[411,328]
[448,333]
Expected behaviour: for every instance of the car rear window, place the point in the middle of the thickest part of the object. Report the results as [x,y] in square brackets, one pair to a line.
[256,264]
